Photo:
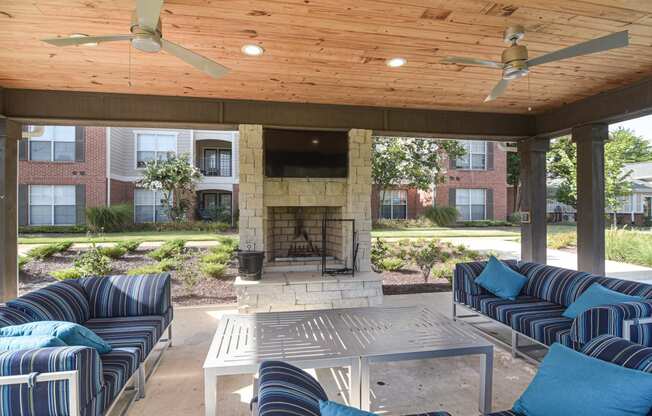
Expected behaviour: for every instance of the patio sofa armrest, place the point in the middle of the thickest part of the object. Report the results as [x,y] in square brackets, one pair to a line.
[630,320]
[122,296]
[464,279]
[44,397]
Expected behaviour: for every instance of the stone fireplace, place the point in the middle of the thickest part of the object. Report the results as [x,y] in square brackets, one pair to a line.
[284,217]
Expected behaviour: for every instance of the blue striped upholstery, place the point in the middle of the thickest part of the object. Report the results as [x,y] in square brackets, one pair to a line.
[116,296]
[117,367]
[464,278]
[125,334]
[61,301]
[11,316]
[51,398]
[554,284]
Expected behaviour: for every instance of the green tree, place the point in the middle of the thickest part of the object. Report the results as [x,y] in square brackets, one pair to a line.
[413,162]
[623,147]
[176,178]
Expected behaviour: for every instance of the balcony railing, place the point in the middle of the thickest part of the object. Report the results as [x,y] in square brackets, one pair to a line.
[210,167]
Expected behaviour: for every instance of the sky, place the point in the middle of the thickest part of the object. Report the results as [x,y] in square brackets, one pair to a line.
[642,126]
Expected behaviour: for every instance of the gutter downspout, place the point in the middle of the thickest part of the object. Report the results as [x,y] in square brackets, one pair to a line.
[108,166]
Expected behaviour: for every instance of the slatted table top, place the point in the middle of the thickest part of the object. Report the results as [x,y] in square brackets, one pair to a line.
[328,338]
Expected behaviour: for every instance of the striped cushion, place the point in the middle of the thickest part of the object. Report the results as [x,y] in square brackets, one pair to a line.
[61,301]
[546,327]
[51,398]
[116,296]
[10,316]
[504,309]
[286,390]
[554,284]
[620,351]
[140,336]
[117,367]
[627,287]
[159,323]
[505,413]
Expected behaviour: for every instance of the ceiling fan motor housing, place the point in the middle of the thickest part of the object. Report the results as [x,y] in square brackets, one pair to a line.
[145,40]
[515,60]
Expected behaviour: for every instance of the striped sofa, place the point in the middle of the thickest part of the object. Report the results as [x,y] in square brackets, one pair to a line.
[284,390]
[537,312]
[132,313]
[614,350]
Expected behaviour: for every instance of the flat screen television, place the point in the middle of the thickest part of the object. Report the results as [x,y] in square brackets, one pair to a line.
[305,153]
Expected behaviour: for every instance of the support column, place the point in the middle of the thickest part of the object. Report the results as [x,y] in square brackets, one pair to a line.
[590,141]
[532,154]
[10,133]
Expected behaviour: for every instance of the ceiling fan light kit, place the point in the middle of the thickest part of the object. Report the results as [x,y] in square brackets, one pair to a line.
[516,64]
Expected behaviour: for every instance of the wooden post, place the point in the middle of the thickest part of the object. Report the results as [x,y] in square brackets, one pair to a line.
[590,140]
[10,133]
[532,153]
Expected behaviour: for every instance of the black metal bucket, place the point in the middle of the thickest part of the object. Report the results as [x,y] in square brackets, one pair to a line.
[250,264]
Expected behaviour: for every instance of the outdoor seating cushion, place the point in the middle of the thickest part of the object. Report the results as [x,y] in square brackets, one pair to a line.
[29,342]
[69,333]
[554,284]
[597,295]
[61,301]
[137,332]
[505,310]
[329,408]
[117,367]
[500,279]
[12,316]
[546,326]
[622,391]
[121,296]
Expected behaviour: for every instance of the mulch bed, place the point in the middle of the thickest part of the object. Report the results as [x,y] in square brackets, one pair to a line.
[410,280]
[206,290]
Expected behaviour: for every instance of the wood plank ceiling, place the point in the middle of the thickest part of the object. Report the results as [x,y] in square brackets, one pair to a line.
[330,51]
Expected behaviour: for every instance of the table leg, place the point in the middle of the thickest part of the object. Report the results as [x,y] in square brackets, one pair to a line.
[354,383]
[365,399]
[486,375]
[210,392]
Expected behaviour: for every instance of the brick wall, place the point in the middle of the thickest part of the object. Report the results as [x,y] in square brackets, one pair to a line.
[91,172]
[122,192]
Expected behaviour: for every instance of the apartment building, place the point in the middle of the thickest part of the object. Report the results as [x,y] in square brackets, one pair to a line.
[66,169]
[476,184]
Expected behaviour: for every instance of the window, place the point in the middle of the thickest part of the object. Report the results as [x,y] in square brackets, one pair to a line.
[154,146]
[225,162]
[52,205]
[148,206]
[471,203]
[475,157]
[394,205]
[56,144]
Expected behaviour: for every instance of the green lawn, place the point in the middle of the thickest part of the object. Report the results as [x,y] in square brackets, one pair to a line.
[459,232]
[115,237]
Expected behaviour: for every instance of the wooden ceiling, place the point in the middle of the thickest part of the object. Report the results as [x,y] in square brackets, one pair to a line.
[330,51]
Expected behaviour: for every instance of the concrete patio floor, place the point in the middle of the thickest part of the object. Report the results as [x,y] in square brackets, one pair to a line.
[397,388]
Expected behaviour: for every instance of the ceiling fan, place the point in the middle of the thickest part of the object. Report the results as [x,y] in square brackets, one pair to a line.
[515,63]
[146,36]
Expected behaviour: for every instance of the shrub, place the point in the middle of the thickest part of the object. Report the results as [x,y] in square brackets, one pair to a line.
[109,219]
[514,218]
[168,250]
[379,251]
[148,269]
[562,240]
[22,261]
[485,223]
[629,246]
[114,252]
[391,264]
[49,250]
[215,270]
[210,227]
[52,229]
[219,257]
[229,242]
[93,263]
[130,245]
[65,274]
[442,216]
[425,257]
[169,264]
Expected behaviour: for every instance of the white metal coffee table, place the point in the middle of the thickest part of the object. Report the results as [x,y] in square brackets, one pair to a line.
[353,338]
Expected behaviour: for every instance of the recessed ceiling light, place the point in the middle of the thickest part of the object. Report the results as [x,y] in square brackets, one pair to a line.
[252,50]
[396,62]
[82,35]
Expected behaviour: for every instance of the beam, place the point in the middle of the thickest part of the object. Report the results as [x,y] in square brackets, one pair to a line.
[138,110]
[10,132]
[590,141]
[534,239]
[608,107]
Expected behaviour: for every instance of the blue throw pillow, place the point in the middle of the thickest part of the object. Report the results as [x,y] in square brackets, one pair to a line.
[501,280]
[69,332]
[328,408]
[597,295]
[29,342]
[571,383]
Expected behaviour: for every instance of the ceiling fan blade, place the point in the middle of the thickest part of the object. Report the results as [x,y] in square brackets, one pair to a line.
[204,64]
[615,40]
[498,90]
[471,61]
[148,12]
[83,40]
